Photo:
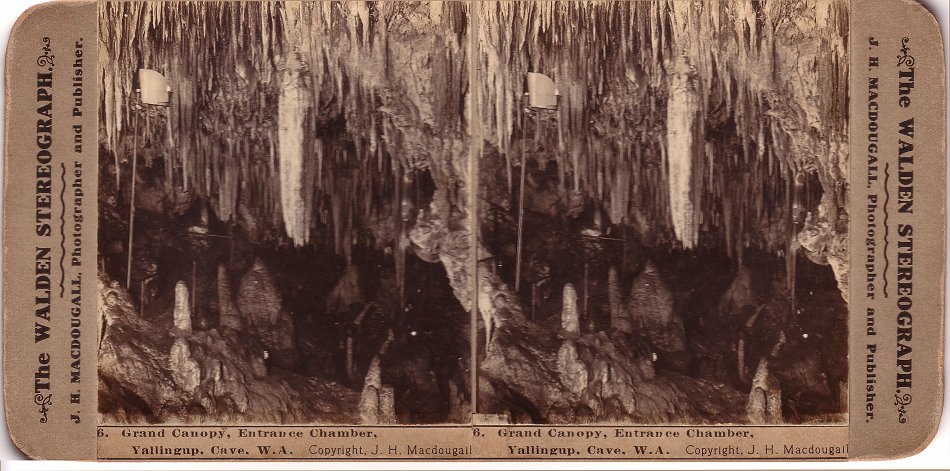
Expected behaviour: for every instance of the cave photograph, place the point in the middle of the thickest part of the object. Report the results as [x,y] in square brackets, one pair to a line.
[262,166]
[663,209]
[455,212]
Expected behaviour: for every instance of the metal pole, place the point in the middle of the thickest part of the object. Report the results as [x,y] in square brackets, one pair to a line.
[586,287]
[135,159]
[473,156]
[524,166]
[194,287]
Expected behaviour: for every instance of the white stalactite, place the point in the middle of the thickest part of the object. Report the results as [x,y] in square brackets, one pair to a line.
[682,108]
[292,106]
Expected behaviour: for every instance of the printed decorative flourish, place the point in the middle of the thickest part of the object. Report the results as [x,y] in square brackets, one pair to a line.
[902,400]
[44,401]
[905,58]
[46,59]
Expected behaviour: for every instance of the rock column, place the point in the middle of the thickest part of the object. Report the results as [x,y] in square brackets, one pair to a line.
[572,371]
[184,369]
[570,321]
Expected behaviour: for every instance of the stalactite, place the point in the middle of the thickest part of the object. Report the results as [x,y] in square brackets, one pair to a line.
[698,57]
[341,57]
[292,104]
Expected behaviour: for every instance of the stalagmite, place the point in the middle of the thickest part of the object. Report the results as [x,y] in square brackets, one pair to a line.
[765,398]
[374,375]
[182,313]
[572,371]
[570,321]
[651,302]
[377,402]
[227,311]
[757,406]
[258,300]
[369,400]
[369,405]
[184,369]
[387,406]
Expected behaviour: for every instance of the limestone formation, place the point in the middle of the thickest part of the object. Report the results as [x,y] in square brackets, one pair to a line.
[739,294]
[229,317]
[184,368]
[573,372]
[765,398]
[650,308]
[258,299]
[619,313]
[650,299]
[182,313]
[570,321]
[377,402]
[346,292]
[260,306]
[387,406]
[374,374]
[369,405]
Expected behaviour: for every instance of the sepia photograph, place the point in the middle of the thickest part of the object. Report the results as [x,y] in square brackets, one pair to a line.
[663,206]
[266,170]
[525,212]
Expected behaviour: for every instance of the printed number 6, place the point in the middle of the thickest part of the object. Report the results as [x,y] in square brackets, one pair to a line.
[476,432]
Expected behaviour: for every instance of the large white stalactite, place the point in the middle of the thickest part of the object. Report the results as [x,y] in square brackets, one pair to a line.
[682,109]
[292,105]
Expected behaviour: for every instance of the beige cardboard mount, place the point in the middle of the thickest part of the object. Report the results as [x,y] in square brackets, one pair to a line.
[52,317]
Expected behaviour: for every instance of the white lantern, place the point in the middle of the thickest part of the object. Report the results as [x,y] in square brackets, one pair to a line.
[542,92]
[153,87]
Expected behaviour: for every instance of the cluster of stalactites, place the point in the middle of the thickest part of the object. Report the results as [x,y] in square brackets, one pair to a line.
[623,67]
[254,87]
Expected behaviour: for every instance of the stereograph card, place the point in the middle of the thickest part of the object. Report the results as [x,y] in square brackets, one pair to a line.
[467,230]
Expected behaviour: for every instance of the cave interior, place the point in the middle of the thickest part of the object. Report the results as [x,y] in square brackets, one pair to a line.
[316,205]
